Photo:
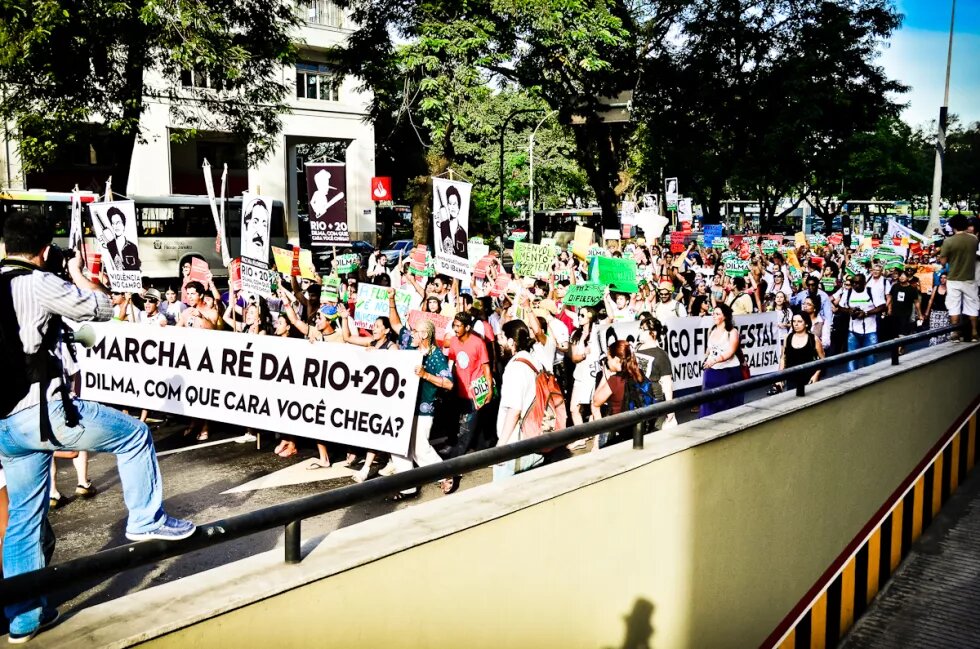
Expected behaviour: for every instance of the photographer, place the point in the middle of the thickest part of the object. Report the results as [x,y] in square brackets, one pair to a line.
[41,417]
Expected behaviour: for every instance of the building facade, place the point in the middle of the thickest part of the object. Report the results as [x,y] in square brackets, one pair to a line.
[327,113]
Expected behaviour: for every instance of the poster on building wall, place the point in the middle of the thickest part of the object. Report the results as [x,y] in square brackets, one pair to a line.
[114,224]
[451,221]
[326,184]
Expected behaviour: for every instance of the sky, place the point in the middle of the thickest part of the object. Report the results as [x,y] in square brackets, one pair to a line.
[916,56]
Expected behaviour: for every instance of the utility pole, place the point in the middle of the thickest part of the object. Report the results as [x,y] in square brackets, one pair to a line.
[503,131]
[937,174]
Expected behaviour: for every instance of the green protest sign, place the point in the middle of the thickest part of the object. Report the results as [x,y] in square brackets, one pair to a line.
[598,251]
[736,267]
[584,294]
[728,254]
[828,284]
[616,273]
[895,265]
[720,243]
[855,268]
[795,275]
[531,259]
[348,263]
[519,235]
[769,246]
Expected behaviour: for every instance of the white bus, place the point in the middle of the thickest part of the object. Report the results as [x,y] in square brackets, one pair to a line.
[171,229]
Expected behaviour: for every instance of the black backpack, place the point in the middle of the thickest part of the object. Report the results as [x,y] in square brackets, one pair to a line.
[24,370]
[18,383]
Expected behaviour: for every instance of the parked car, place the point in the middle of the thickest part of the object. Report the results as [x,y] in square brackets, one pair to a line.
[401,247]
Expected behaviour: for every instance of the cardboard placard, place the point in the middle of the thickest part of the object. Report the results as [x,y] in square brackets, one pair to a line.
[587,294]
[440,321]
[617,273]
[531,260]
[372,303]
[581,242]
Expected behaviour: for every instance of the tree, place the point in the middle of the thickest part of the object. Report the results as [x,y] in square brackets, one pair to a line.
[569,54]
[69,63]
[756,93]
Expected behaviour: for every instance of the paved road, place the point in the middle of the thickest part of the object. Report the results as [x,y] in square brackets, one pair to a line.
[197,477]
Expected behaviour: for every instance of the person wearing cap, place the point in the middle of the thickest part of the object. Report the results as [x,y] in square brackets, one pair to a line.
[151,309]
[667,307]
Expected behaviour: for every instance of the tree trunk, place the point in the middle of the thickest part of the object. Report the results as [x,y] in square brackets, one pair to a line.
[131,100]
[596,152]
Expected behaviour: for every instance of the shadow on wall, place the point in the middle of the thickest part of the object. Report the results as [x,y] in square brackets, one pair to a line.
[639,626]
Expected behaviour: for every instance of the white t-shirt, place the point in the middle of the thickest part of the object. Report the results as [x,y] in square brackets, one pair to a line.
[879,288]
[157,318]
[544,355]
[557,332]
[864,300]
[663,311]
[517,390]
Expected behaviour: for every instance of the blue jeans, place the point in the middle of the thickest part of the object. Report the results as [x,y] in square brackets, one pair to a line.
[468,419]
[859,341]
[27,463]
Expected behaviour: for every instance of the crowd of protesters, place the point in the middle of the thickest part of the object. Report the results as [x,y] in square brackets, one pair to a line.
[828,298]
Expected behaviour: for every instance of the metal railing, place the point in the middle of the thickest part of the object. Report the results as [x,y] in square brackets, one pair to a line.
[290,515]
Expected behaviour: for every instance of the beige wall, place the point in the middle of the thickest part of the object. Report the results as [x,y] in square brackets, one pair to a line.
[708,547]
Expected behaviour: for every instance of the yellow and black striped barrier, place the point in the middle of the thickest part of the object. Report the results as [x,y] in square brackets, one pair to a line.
[830,608]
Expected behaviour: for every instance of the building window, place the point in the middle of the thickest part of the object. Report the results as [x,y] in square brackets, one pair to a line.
[202,79]
[317,81]
[320,12]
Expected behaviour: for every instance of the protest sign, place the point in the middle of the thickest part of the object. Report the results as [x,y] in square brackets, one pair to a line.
[256,279]
[372,303]
[685,210]
[442,323]
[710,232]
[548,241]
[736,267]
[627,212]
[652,223]
[482,266]
[835,239]
[235,275]
[584,294]
[829,284]
[336,393]
[627,231]
[611,235]
[671,193]
[114,225]
[326,184]
[687,340]
[617,273]
[331,289]
[677,242]
[720,243]
[500,286]
[531,259]
[283,259]
[769,246]
[476,250]
[256,218]
[799,239]
[451,222]
[200,272]
[405,301]
[348,263]
[581,242]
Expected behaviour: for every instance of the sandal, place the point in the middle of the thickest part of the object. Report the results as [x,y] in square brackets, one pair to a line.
[450,485]
[202,436]
[398,497]
[360,476]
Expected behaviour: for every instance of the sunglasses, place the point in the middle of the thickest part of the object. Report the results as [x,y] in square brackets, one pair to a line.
[152,300]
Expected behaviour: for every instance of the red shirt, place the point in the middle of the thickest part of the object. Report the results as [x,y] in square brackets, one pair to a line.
[470,358]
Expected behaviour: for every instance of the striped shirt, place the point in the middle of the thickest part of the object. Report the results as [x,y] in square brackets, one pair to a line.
[36,298]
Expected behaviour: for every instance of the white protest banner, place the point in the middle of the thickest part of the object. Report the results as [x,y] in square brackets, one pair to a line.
[256,217]
[451,221]
[372,303]
[256,279]
[75,228]
[114,224]
[335,393]
[628,212]
[687,340]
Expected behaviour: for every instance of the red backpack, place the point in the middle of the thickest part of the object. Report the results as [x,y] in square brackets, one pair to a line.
[546,413]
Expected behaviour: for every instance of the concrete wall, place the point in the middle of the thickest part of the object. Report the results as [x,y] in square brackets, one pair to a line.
[709,537]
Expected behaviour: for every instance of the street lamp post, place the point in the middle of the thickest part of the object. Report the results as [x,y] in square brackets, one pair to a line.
[530,193]
[503,130]
[937,174]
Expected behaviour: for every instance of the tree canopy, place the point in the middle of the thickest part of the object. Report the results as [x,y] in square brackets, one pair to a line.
[69,63]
